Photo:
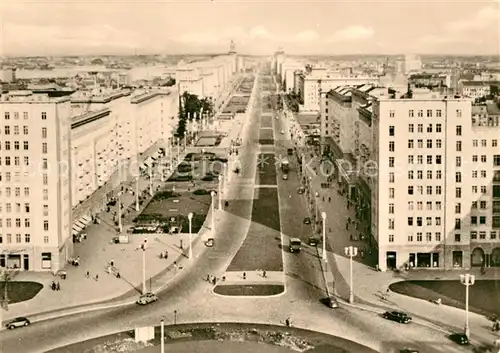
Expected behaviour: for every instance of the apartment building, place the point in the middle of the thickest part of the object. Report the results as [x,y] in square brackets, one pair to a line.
[427,176]
[474,89]
[288,68]
[318,81]
[35,181]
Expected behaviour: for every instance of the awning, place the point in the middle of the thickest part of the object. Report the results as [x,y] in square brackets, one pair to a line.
[86,220]
[76,228]
[75,232]
[80,224]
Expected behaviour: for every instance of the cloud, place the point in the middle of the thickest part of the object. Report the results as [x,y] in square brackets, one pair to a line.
[352,33]
[463,31]
[307,36]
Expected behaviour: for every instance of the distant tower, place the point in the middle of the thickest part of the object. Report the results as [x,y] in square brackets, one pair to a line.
[232,47]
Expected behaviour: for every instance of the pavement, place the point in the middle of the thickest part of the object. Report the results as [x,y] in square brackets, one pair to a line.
[98,250]
[370,286]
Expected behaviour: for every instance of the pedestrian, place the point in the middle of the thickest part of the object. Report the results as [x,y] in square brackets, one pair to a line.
[209,278]
[96,278]
[118,275]
[347,226]
[58,287]
[87,274]
[348,219]
[214,280]
[175,265]
[288,322]
[329,199]
[244,275]
[53,285]
[264,274]
[112,263]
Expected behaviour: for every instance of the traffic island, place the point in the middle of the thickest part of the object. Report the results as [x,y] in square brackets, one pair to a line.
[19,291]
[224,338]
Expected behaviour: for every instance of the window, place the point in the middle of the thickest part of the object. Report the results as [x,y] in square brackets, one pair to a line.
[419,221]
[46,239]
[410,205]
[45,179]
[428,205]
[7,160]
[438,221]
[391,177]
[16,145]
[27,222]
[483,158]
[428,236]
[496,160]
[44,116]
[44,132]
[410,190]
[420,128]
[410,143]
[16,160]
[391,130]
[391,193]
[27,238]
[44,147]
[429,143]
[25,115]
[16,129]
[458,177]
[391,223]
[494,143]
[474,158]
[493,234]
[458,208]
[429,174]
[438,190]
[438,159]
[25,145]
[458,223]
[459,146]
[420,113]
[7,116]
[7,130]
[7,145]
[438,205]
[473,220]
[473,235]
[26,160]
[429,128]
[391,238]
[410,221]
[459,113]
[482,235]
[474,189]
[458,161]
[391,113]
[457,238]
[484,143]
[483,190]
[45,194]
[429,113]
[411,113]
[391,162]
[391,146]
[438,236]
[27,207]
[46,225]
[25,130]
[410,159]
[458,193]
[474,143]
[459,130]
[410,128]
[428,221]
[474,174]
[419,174]
[420,143]
[428,190]
[483,173]
[391,208]
[496,222]
[45,210]
[482,205]
[438,143]
[410,237]
[419,236]
[429,159]
[482,220]
[438,127]
[420,159]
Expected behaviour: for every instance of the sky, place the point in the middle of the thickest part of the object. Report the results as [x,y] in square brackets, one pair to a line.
[71,27]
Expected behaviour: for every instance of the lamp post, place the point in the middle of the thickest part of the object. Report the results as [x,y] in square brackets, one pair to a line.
[467,280]
[162,343]
[213,212]
[120,226]
[190,219]
[220,191]
[175,317]
[178,149]
[143,248]
[137,192]
[351,251]
[170,152]
[323,217]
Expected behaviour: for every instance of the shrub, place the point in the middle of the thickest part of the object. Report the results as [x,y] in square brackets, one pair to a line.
[163,195]
[201,192]
[150,218]
[208,178]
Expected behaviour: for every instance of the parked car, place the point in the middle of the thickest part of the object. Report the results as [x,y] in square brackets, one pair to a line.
[397,316]
[459,338]
[285,176]
[147,298]
[210,242]
[313,241]
[307,220]
[332,303]
[17,322]
[300,190]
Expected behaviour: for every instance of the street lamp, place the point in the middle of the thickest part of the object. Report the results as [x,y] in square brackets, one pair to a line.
[150,174]
[212,194]
[162,343]
[137,192]
[467,280]
[220,191]
[120,226]
[351,251]
[323,217]
[190,219]
[143,248]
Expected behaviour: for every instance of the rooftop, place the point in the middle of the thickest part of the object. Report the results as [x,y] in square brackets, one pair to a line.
[147,96]
[89,117]
[30,97]
[100,98]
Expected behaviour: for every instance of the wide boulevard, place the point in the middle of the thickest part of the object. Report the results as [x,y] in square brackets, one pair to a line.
[193,298]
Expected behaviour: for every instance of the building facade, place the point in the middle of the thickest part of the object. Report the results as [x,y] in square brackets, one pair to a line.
[35,185]
[430,181]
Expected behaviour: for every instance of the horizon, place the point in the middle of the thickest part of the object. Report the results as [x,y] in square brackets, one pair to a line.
[330,28]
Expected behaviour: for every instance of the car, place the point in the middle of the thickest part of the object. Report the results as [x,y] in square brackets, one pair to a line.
[398,316]
[307,220]
[408,350]
[210,242]
[282,132]
[300,190]
[313,241]
[147,298]
[276,118]
[459,338]
[17,322]
[285,176]
[332,303]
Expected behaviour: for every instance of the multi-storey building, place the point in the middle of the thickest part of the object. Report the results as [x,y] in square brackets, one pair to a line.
[35,181]
[288,68]
[317,81]
[474,89]
[426,175]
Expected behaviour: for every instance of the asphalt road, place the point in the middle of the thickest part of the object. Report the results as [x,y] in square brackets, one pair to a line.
[192,298]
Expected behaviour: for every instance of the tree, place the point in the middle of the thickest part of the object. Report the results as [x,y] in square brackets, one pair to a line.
[181,124]
[207,105]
